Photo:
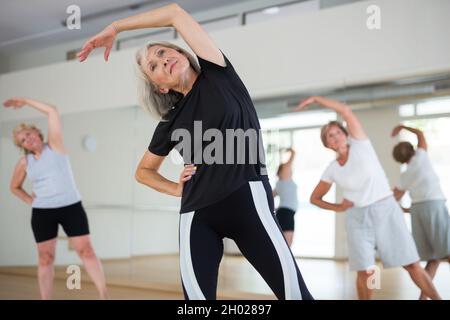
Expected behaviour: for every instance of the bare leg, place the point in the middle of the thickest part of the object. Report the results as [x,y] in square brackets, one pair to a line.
[364,292]
[46,272]
[422,280]
[91,263]
[289,236]
[430,268]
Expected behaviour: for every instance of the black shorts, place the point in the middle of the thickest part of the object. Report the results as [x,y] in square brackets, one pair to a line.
[285,217]
[72,218]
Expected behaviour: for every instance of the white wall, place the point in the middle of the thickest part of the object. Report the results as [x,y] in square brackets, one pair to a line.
[24,59]
[4,63]
[328,48]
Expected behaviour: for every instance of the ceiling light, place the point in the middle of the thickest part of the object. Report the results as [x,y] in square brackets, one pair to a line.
[272,10]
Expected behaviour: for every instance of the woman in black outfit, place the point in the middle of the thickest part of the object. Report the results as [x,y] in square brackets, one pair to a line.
[224,187]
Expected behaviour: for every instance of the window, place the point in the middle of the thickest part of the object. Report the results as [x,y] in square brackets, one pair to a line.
[300,119]
[433,107]
[425,108]
[314,228]
[407,110]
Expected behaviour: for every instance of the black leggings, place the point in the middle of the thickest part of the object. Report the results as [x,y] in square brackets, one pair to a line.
[247,217]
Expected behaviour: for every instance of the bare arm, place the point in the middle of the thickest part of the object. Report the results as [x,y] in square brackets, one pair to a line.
[406,210]
[354,126]
[398,194]
[55,138]
[17,180]
[320,191]
[274,193]
[421,141]
[168,16]
[147,174]
[291,157]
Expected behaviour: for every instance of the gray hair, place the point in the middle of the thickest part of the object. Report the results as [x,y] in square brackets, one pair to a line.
[156,103]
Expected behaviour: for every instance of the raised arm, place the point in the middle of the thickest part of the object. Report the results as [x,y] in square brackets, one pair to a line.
[320,191]
[55,138]
[168,16]
[291,157]
[17,180]
[147,174]
[354,126]
[421,141]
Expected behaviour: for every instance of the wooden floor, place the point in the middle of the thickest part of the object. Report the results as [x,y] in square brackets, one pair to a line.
[158,277]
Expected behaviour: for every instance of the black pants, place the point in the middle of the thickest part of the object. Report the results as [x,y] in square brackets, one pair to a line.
[247,217]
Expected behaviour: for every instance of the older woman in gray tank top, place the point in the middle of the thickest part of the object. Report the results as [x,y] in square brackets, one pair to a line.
[55,199]
[286,190]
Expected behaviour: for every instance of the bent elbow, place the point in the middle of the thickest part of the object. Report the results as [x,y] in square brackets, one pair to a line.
[54,109]
[346,110]
[313,200]
[138,176]
[174,6]
[176,9]
[13,188]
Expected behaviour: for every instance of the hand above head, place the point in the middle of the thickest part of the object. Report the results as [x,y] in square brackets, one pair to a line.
[14,103]
[105,39]
[396,130]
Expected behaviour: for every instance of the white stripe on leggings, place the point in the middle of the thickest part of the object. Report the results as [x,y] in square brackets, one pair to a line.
[291,285]
[187,269]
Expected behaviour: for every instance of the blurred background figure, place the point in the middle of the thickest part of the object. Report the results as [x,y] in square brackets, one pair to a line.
[286,189]
[430,220]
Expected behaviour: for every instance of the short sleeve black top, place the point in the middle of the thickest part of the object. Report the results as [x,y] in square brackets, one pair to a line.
[218,100]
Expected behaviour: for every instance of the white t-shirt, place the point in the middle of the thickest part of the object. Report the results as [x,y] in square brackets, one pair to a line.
[420,179]
[361,178]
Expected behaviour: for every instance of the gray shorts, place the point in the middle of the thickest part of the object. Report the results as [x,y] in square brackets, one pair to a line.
[431,229]
[379,227]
